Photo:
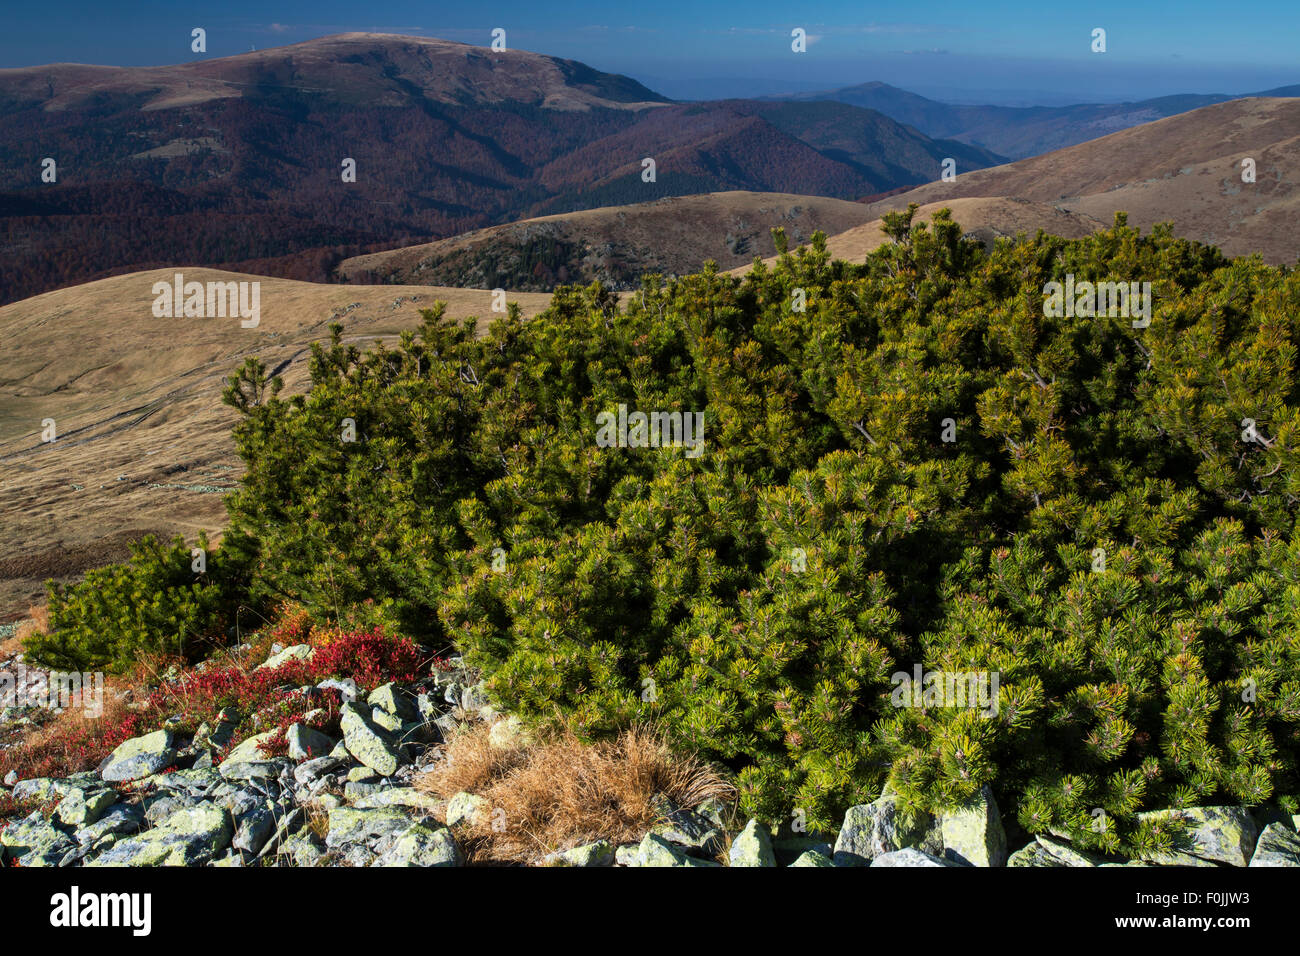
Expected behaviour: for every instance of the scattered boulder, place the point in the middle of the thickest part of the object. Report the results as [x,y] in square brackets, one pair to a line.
[80,807]
[687,828]
[871,829]
[306,743]
[422,845]
[467,808]
[600,853]
[1277,846]
[35,841]
[391,699]
[350,825]
[139,757]
[1218,834]
[189,837]
[655,850]
[908,856]
[973,835]
[813,858]
[752,846]
[367,742]
[296,652]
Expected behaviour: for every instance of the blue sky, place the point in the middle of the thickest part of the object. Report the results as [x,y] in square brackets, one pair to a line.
[970,51]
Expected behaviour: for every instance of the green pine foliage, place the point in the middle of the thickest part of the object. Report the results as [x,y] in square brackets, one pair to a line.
[1104,532]
[154,604]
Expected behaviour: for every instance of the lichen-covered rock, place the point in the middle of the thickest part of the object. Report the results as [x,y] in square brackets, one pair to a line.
[304,848]
[973,835]
[35,841]
[400,797]
[813,858]
[1219,834]
[687,828]
[657,851]
[350,825]
[422,845]
[386,721]
[1047,851]
[752,846]
[871,829]
[600,853]
[392,700]
[123,818]
[306,743]
[296,652]
[40,789]
[467,808]
[189,837]
[909,857]
[140,757]
[367,742]
[1277,846]
[81,807]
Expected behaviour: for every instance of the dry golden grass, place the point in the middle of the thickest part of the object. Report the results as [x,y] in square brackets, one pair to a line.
[561,792]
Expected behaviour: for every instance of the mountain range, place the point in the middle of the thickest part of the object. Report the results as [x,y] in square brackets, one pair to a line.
[1019,131]
[240,161]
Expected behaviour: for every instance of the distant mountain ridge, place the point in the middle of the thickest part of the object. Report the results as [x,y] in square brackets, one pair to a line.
[238,161]
[1018,131]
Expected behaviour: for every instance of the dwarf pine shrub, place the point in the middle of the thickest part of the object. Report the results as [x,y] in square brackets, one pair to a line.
[911,469]
[156,603]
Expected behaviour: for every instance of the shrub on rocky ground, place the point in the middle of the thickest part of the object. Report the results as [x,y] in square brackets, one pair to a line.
[908,466]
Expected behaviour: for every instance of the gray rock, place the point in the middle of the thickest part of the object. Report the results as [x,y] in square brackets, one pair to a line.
[468,808]
[368,743]
[409,797]
[358,790]
[347,688]
[35,841]
[197,782]
[813,858]
[392,700]
[81,808]
[871,829]
[422,845]
[349,825]
[190,837]
[303,848]
[123,818]
[41,789]
[140,757]
[159,808]
[297,652]
[687,828]
[306,742]
[1277,846]
[752,846]
[600,853]
[1220,834]
[655,850]
[973,835]
[909,857]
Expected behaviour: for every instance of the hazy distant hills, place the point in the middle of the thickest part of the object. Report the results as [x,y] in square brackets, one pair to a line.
[238,161]
[1018,132]
[1186,169]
